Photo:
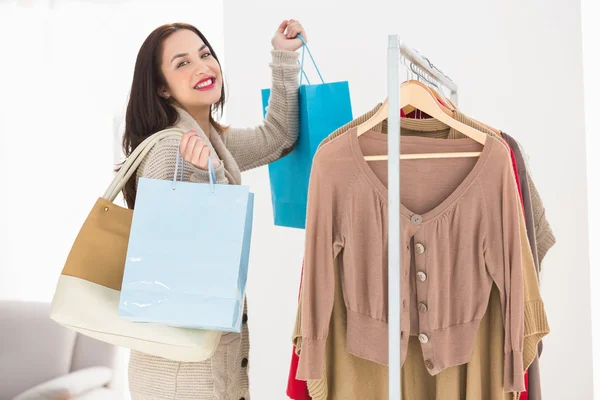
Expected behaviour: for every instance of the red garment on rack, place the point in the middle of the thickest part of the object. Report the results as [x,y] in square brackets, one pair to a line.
[524,395]
[297,390]
[516,170]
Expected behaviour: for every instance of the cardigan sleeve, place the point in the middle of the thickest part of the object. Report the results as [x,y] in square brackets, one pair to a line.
[277,135]
[160,163]
[323,243]
[504,260]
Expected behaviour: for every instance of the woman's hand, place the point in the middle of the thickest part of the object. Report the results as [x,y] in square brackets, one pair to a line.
[194,150]
[285,37]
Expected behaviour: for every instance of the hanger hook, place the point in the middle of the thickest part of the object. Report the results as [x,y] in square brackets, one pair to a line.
[439,84]
[413,72]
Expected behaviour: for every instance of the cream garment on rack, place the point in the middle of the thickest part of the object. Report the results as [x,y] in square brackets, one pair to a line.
[481,378]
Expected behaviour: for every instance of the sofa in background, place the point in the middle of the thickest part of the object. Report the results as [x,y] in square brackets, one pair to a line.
[40,359]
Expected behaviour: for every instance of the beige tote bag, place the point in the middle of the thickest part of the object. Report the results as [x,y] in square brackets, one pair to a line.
[87,295]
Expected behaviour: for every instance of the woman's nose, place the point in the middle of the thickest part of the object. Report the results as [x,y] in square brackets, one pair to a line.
[202,69]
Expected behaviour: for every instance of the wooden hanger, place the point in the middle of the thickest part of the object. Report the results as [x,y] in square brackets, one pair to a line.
[408,109]
[452,105]
[491,128]
[415,94]
[442,99]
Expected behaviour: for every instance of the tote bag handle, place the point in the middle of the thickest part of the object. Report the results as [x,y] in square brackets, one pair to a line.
[134,160]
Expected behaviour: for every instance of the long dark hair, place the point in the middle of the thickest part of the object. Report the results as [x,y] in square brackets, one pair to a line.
[147,112]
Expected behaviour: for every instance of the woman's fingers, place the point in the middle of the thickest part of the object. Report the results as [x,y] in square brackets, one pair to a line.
[197,153]
[185,140]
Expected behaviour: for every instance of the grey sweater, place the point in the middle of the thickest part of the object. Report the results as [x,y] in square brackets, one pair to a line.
[225,375]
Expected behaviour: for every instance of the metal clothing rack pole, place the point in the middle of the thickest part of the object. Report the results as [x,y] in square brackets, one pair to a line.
[394,256]
[397,49]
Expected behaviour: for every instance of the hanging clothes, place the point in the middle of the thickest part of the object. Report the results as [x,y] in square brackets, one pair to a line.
[341,369]
[538,230]
[470,369]
[483,184]
[297,389]
[534,386]
[348,377]
[462,118]
[533,220]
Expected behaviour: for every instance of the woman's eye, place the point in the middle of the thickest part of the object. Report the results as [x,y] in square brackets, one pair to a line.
[182,63]
[206,55]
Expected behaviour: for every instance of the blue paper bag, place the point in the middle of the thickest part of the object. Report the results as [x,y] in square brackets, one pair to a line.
[323,109]
[187,259]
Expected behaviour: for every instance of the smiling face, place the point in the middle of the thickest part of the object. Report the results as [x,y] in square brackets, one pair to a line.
[192,74]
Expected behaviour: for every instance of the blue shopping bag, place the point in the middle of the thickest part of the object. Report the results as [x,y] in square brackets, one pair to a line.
[187,258]
[323,109]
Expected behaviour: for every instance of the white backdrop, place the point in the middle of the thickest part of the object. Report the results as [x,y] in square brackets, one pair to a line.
[591,65]
[66,72]
[519,68]
[66,69]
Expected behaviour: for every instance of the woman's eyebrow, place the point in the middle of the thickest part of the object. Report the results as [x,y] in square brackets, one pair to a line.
[185,54]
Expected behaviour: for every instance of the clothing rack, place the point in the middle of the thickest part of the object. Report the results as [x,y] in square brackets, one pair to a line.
[432,75]
[428,72]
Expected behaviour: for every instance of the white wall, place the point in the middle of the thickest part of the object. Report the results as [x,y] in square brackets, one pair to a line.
[66,68]
[66,73]
[519,68]
[591,65]
[56,137]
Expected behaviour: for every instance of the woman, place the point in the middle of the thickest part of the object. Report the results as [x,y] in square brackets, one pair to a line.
[178,82]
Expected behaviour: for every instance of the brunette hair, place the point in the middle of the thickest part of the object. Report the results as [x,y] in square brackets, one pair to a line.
[147,112]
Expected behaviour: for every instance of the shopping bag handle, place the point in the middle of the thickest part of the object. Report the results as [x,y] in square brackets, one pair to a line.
[305,46]
[212,176]
[134,160]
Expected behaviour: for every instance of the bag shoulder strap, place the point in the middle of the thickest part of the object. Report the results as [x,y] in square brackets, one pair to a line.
[135,159]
